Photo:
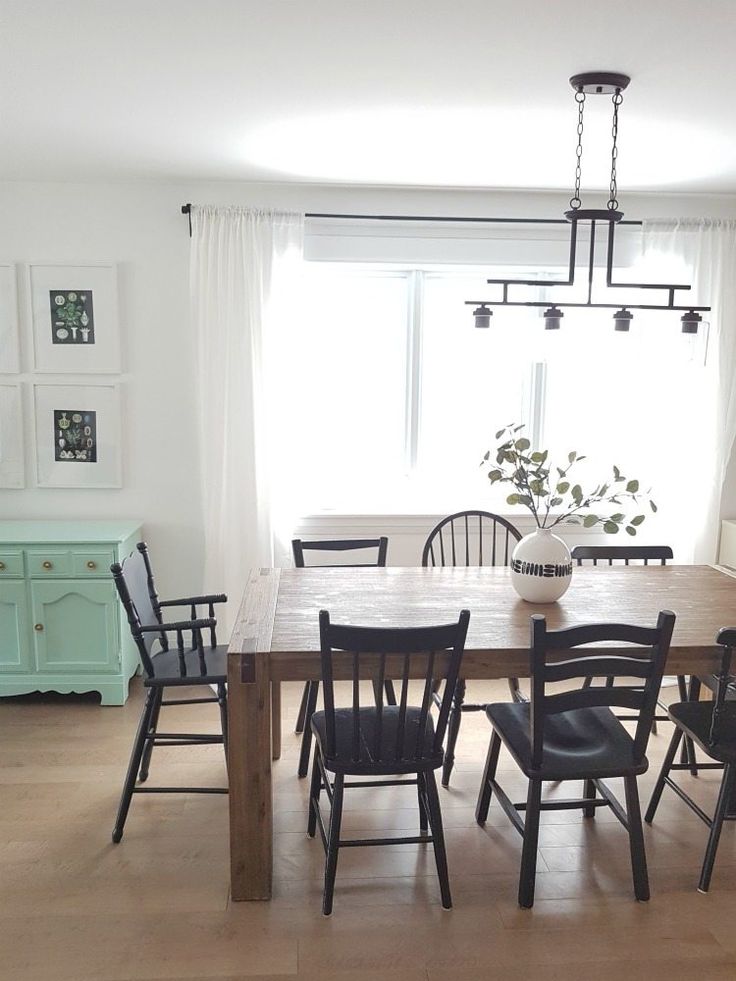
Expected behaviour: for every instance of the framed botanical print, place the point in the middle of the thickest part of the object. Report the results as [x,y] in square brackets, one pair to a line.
[11,437]
[77,435]
[9,350]
[74,312]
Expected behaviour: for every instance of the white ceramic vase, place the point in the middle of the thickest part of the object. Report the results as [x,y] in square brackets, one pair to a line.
[541,567]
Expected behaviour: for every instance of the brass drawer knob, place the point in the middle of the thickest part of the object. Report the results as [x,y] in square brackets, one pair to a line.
[48,565]
[91,564]
[38,626]
[2,566]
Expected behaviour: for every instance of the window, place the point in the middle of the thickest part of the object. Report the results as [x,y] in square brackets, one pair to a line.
[397,396]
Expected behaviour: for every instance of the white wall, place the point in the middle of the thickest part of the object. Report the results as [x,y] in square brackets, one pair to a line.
[140,227]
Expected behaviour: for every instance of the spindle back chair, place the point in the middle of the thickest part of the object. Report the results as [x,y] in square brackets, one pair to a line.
[469,538]
[381,740]
[196,660]
[310,691]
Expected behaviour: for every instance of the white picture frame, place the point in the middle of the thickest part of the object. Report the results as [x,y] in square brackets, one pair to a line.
[78,435]
[9,343]
[74,318]
[12,464]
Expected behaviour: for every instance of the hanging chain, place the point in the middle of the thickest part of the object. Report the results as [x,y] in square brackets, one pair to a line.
[575,201]
[612,200]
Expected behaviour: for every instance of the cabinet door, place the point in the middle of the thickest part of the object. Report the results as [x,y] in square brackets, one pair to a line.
[15,646]
[75,625]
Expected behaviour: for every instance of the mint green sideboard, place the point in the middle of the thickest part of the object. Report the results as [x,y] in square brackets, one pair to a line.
[62,627]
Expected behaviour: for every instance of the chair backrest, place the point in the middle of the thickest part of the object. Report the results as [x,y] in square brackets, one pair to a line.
[429,653]
[727,639]
[137,590]
[340,545]
[619,662]
[608,554]
[470,538]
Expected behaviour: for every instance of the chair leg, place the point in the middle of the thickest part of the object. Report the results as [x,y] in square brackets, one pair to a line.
[314,792]
[636,840]
[222,702]
[529,851]
[388,687]
[134,764]
[438,838]
[299,727]
[589,793]
[484,795]
[724,799]
[664,772]
[152,726]
[423,806]
[453,728]
[307,734]
[333,842]
[692,694]
[517,695]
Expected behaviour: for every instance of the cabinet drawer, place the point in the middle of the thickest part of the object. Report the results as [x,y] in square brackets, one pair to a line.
[92,562]
[49,562]
[11,563]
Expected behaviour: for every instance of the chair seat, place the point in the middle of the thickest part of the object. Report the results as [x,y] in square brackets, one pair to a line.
[694,718]
[387,759]
[586,743]
[168,672]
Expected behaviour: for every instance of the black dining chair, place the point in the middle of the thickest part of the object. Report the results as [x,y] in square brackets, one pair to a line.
[196,660]
[712,725]
[469,538]
[610,555]
[311,688]
[574,735]
[378,741]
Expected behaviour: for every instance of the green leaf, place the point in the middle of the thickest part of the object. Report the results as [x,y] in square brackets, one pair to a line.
[555,502]
[486,456]
[500,433]
[632,487]
[537,457]
[630,530]
[577,493]
[589,520]
[525,499]
[560,471]
[571,456]
[522,444]
[610,527]
[563,487]
[512,499]
[653,506]
[616,472]
[637,520]
[618,518]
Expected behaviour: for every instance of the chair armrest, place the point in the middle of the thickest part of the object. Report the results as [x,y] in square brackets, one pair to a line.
[153,628]
[196,600]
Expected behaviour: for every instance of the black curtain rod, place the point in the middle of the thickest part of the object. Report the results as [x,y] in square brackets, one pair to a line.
[186,209]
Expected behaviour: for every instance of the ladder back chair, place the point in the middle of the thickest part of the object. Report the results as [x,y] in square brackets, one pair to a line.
[610,555]
[574,735]
[311,688]
[469,538]
[195,660]
[383,745]
[712,725]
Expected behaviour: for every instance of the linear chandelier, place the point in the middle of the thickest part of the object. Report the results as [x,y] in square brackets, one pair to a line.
[592,83]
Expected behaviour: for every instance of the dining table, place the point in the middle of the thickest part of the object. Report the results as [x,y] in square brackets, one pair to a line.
[276,638]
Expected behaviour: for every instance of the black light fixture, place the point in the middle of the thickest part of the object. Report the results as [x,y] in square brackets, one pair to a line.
[552,318]
[584,84]
[622,319]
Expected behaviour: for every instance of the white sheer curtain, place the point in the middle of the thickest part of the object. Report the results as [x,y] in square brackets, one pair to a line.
[240,261]
[708,248]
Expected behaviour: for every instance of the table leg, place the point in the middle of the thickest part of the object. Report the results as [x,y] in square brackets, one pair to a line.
[249,751]
[275,720]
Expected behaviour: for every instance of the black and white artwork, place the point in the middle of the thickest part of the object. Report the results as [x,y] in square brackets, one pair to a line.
[72,317]
[74,312]
[75,435]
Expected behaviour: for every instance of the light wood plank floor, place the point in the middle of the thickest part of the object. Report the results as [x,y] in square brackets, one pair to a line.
[74,907]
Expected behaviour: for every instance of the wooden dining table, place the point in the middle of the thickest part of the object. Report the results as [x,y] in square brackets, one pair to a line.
[276,638]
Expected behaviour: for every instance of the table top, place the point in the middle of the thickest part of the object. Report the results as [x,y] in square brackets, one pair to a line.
[280,609]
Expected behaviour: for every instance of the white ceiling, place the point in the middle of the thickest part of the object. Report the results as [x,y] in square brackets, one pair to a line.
[386,92]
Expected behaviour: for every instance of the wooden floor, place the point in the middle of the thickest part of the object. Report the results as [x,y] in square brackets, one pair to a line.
[73,906]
